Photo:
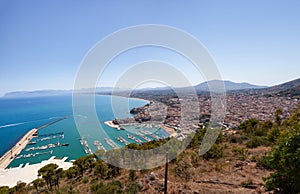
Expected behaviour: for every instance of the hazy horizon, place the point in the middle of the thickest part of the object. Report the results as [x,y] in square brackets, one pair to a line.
[250,41]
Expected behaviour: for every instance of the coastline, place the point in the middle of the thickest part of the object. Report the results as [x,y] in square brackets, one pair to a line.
[10,155]
[110,124]
[29,172]
[170,130]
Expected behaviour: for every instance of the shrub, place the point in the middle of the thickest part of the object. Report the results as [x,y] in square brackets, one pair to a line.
[284,159]
[133,188]
[215,152]
[240,152]
[85,180]
[254,142]
[273,134]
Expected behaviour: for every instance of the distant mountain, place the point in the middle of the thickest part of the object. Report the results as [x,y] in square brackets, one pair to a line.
[283,87]
[36,93]
[291,88]
[229,86]
[40,93]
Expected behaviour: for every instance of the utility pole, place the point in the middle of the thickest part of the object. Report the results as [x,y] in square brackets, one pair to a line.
[166,175]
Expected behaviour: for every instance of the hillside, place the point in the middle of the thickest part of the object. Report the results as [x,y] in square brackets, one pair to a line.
[229,85]
[239,162]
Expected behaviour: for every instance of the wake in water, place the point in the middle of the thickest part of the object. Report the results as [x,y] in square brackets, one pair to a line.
[21,123]
[11,125]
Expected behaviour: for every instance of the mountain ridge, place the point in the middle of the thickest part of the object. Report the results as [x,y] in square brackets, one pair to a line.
[286,88]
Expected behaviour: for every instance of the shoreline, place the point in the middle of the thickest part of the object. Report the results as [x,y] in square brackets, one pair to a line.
[170,130]
[28,172]
[110,124]
[12,153]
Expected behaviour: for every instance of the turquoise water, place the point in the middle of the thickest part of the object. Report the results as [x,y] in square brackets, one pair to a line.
[18,116]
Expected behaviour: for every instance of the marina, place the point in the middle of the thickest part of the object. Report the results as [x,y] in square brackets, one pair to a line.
[33,154]
[134,138]
[11,154]
[46,137]
[48,146]
[150,134]
[52,127]
[122,140]
[111,143]
[143,136]
[99,145]
[85,145]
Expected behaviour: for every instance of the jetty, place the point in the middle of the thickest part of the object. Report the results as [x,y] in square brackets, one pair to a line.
[52,134]
[99,145]
[85,145]
[134,138]
[143,136]
[51,123]
[111,143]
[150,134]
[122,140]
[11,154]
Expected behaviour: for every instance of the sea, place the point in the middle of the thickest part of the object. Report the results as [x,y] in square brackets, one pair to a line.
[19,115]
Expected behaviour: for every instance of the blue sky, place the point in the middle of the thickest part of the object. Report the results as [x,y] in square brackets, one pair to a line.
[43,42]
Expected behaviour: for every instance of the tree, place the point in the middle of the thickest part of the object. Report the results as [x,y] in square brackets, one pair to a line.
[278,114]
[19,188]
[49,174]
[71,172]
[100,169]
[37,183]
[285,160]
[4,189]
[249,126]
[83,163]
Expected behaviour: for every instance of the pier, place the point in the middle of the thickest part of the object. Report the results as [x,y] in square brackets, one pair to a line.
[85,145]
[134,138]
[122,140]
[52,134]
[143,136]
[11,154]
[111,143]
[99,145]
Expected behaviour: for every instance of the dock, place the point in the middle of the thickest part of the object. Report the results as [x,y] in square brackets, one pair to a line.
[85,145]
[99,145]
[11,154]
[111,143]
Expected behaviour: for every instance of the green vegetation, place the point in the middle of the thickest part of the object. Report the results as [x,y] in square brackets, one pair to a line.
[91,174]
[51,174]
[285,158]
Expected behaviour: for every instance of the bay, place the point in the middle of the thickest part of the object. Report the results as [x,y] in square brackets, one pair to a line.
[19,115]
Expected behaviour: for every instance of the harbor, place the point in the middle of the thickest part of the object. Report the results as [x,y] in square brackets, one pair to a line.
[111,143]
[34,146]
[99,145]
[11,154]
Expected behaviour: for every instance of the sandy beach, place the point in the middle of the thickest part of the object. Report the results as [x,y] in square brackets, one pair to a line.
[10,155]
[110,124]
[170,130]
